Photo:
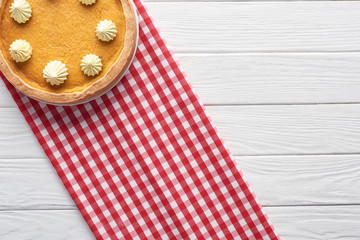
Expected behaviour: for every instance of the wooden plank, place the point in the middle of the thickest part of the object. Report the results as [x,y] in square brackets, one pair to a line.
[293,223]
[274,78]
[44,225]
[259,26]
[289,129]
[16,138]
[266,78]
[277,181]
[303,180]
[299,223]
[31,184]
[248,130]
[5,97]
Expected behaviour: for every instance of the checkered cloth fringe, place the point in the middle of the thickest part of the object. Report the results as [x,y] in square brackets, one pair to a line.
[145,161]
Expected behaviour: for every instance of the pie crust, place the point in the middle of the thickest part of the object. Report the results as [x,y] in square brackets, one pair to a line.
[99,85]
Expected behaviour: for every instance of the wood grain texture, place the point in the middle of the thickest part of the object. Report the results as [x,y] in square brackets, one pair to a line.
[16,138]
[274,78]
[31,184]
[294,223]
[5,97]
[266,78]
[248,130]
[303,180]
[43,225]
[314,223]
[259,26]
[277,181]
[290,129]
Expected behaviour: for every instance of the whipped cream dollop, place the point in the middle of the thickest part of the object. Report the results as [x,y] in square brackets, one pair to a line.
[20,50]
[106,30]
[20,11]
[91,65]
[88,2]
[55,73]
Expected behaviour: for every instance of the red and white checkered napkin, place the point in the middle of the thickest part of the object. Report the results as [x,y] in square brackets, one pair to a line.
[145,161]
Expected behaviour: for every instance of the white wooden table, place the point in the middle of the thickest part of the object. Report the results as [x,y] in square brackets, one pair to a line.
[282,83]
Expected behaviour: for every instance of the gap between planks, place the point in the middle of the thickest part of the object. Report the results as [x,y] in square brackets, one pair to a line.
[71,208]
[233,155]
[255,104]
[239,1]
[264,206]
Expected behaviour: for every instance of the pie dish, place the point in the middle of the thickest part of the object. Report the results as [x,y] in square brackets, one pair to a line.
[64,31]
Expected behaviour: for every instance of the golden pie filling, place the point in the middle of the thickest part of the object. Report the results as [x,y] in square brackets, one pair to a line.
[62,30]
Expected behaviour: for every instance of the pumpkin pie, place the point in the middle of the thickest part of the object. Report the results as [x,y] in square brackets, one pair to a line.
[66,51]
